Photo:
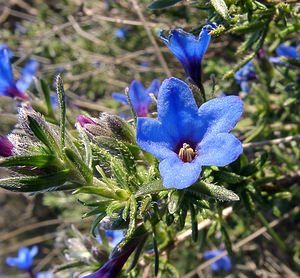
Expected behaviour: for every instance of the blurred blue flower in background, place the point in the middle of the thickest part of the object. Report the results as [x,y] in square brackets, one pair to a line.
[6,147]
[45,274]
[189,50]
[286,51]
[25,257]
[114,237]
[244,75]
[185,138]
[121,33]
[8,85]
[223,263]
[139,96]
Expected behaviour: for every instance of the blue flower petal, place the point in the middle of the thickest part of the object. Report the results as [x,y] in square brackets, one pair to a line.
[221,114]
[287,51]
[6,75]
[120,98]
[177,109]
[177,174]
[33,251]
[138,95]
[189,50]
[245,86]
[218,149]
[27,74]
[154,87]
[151,137]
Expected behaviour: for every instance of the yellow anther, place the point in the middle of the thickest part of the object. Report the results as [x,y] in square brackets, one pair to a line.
[186,153]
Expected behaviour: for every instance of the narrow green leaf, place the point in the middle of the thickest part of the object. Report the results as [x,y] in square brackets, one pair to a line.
[228,177]
[87,145]
[41,134]
[99,190]
[62,105]
[226,240]
[174,200]
[132,216]
[79,164]
[39,160]
[194,223]
[150,188]
[162,4]
[35,183]
[220,7]
[215,191]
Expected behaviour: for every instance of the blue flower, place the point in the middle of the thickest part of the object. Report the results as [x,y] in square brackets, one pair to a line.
[10,87]
[114,237]
[24,260]
[244,75]
[119,256]
[6,147]
[223,263]
[185,138]
[121,33]
[287,51]
[189,50]
[45,274]
[139,96]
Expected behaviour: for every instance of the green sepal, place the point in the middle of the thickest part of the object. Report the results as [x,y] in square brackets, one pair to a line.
[212,190]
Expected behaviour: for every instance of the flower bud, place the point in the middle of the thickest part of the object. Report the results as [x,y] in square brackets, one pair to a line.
[6,147]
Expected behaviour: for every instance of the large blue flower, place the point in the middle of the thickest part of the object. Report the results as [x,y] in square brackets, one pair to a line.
[244,75]
[139,96]
[223,263]
[8,85]
[189,50]
[184,138]
[24,260]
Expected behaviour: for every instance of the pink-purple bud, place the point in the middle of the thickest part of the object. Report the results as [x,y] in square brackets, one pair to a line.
[6,147]
[83,120]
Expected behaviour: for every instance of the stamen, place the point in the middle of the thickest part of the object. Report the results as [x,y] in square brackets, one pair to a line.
[186,153]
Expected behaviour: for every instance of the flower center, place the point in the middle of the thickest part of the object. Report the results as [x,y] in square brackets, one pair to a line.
[186,153]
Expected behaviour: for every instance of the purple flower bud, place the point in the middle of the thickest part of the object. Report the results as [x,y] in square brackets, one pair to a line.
[83,120]
[6,147]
